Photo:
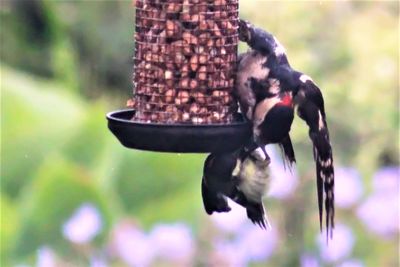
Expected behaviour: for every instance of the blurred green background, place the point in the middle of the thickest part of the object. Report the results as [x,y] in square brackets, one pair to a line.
[65,64]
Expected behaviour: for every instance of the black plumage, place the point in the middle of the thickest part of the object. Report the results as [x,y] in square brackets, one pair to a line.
[241,176]
[269,90]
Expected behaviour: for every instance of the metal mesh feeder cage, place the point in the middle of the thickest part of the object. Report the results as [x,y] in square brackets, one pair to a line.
[184,74]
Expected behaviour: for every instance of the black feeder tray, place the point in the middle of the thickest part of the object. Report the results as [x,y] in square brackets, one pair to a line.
[178,138]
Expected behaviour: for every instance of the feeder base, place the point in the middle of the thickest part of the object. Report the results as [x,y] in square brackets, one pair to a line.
[178,138]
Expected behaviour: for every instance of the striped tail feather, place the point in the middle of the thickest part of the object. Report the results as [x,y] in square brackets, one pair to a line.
[325,181]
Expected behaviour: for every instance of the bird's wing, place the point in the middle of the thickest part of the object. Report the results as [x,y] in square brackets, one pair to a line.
[212,200]
[310,107]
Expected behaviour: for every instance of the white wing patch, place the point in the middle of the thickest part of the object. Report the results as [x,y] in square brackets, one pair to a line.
[279,49]
[321,123]
[304,78]
[325,163]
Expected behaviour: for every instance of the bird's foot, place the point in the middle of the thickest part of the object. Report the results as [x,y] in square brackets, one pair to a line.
[261,146]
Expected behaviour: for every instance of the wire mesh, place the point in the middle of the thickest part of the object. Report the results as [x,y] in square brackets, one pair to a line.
[185,61]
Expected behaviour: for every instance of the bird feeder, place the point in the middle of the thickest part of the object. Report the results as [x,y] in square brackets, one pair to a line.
[184,73]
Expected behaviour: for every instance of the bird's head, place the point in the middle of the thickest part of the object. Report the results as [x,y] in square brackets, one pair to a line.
[244,30]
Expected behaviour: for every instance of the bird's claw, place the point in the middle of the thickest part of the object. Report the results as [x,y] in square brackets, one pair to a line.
[262,147]
[267,158]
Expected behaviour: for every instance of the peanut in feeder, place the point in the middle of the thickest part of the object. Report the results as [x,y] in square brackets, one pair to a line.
[185,61]
[184,74]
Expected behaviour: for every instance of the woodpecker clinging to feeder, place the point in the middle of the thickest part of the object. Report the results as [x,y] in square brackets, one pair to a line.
[241,176]
[268,90]
[259,92]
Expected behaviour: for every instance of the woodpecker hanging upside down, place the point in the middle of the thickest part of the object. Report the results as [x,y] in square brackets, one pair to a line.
[241,176]
[268,90]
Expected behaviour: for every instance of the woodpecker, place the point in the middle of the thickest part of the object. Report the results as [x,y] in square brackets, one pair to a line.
[241,176]
[264,103]
[269,91]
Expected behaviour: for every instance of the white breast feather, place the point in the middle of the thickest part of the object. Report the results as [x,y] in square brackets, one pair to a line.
[253,180]
[321,123]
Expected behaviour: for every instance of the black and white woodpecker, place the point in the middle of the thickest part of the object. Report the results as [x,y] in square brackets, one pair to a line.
[241,176]
[269,91]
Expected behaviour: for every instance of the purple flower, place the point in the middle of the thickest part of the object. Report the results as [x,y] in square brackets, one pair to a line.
[308,261]
[98,262]
[387,179]
[256,243]
[380,213]
[230,221]
[173,242]
[46,257]
[283,180]
[348,187]
[228,254]
[132,245]
[351,263]
[83,225]
[339,247]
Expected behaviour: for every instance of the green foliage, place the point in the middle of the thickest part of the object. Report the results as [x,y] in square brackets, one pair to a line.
[29,29]
[164,173]
[89,139]
[155,185]
[10,224]
[37,118]
[59,187]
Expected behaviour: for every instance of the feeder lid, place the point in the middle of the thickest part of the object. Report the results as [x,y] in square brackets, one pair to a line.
[178,138]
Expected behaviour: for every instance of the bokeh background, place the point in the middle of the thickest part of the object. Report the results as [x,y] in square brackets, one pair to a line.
[71,195]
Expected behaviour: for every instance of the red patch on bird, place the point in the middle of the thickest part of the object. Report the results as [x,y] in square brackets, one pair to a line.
[286,100]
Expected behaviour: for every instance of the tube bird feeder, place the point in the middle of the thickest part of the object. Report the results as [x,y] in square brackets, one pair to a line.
[184,74]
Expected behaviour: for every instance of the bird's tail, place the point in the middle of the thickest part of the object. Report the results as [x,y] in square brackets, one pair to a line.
[325,181]
[255,211]
[257,215]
